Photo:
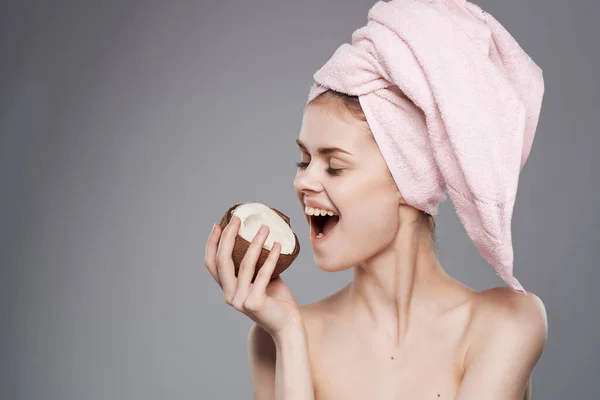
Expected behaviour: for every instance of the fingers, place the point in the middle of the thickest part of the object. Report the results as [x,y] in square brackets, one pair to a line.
[257,292]
[225,266]
[210,253]
[248,266]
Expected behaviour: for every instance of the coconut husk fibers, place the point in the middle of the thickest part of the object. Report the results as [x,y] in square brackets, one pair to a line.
[241,246]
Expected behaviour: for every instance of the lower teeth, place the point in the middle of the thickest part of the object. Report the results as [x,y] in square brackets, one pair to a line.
[320,235]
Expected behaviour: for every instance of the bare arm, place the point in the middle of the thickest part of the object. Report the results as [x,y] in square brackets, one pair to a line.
[528,391]
[280,368]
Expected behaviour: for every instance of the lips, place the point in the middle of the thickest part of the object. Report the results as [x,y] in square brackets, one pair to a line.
[316,204]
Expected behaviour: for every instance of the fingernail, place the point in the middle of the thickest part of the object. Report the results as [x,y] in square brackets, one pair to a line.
[213,228]
[233,220]
[263,229]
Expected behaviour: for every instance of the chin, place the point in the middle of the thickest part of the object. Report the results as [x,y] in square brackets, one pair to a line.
[329,264]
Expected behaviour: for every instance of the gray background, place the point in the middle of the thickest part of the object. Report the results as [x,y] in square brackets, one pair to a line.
[127,128]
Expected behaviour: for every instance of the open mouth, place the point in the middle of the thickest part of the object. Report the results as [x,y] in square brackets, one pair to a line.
[322,225]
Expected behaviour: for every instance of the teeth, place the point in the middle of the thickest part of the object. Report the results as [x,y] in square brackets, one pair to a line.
[320,235]
[317,211]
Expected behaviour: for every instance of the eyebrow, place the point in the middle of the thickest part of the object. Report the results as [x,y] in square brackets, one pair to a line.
[323,150]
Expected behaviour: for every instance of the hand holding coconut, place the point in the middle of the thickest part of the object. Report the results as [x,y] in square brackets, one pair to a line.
[246,262]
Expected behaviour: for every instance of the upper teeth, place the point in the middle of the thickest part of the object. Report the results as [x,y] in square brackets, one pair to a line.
[317,211]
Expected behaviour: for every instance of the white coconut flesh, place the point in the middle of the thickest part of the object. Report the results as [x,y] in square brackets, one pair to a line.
[253,215]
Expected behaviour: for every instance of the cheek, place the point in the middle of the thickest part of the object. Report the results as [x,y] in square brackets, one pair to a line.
[369,210]
[368,197]
[377,222]
[362,236]
[370,216]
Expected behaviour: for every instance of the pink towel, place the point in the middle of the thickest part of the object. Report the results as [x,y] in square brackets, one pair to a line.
[453,102]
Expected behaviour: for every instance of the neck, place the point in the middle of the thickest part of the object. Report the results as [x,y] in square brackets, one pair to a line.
[400,286]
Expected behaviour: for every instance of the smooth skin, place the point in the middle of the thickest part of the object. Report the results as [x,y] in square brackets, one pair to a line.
[402,328]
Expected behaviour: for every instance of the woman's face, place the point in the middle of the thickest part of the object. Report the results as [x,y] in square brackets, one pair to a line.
[350,179]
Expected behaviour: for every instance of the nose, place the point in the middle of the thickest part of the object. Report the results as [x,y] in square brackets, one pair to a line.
[308,180]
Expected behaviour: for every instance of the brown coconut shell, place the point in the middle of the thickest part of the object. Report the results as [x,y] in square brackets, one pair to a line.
[241,246]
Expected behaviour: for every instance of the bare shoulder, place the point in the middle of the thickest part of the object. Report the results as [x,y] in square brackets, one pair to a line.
[505,338]
[501,315]
[315,313]
[503,305]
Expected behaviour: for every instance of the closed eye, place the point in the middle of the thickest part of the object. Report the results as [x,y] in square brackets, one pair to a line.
[330,171]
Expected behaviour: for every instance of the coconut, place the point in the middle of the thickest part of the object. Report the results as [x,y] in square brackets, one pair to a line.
[252,216]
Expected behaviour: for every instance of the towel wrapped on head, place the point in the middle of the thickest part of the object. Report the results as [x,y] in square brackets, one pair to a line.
[453,102]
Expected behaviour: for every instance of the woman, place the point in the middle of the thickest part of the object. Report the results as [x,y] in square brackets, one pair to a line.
[403,328]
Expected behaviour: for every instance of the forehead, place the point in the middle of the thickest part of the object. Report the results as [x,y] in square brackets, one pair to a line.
[323,124]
